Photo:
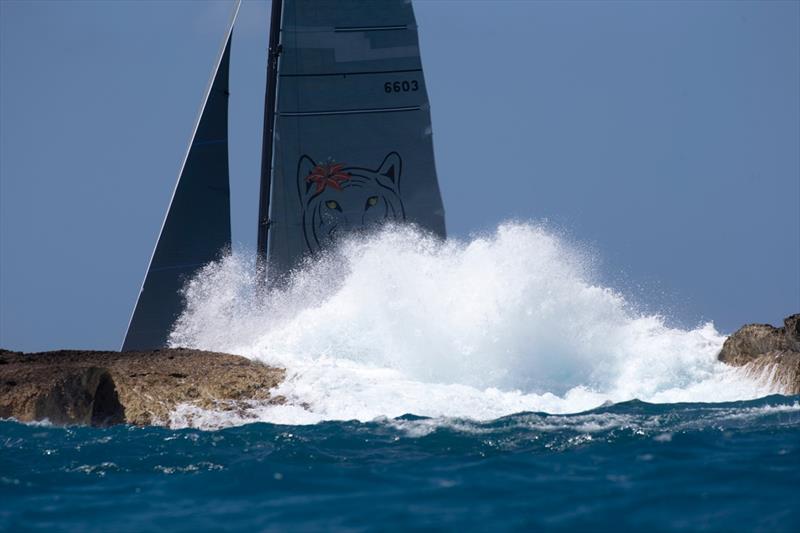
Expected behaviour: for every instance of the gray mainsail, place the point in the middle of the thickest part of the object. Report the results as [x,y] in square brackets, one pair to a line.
[352,132]
[197,226]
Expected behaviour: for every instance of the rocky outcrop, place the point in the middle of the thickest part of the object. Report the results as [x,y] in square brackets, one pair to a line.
[104,388]
[766,350]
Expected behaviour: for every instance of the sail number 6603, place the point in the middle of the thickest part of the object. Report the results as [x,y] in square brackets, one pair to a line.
[401,86]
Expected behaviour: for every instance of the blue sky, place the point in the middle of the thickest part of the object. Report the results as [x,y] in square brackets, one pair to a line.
[664,136]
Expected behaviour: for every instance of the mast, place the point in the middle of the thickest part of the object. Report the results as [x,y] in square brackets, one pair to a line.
[267,139]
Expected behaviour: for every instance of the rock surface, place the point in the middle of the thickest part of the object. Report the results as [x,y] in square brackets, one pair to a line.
[141,388]
[763,348]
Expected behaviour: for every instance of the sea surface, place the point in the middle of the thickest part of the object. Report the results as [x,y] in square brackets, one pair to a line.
[629,466]
[494,383]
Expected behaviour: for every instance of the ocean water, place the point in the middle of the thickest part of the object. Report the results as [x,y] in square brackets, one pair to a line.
[630,466]
[490,383]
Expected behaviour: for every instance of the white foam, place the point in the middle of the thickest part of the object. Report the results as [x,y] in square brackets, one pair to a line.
[400,322]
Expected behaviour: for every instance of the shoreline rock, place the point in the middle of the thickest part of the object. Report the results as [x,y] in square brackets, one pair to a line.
[141,388]
[762,349]
[101,388]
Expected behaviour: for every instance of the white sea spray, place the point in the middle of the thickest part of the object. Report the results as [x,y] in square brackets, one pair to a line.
[400,322]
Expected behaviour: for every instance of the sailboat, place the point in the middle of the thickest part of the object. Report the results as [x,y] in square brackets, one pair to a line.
[347,146]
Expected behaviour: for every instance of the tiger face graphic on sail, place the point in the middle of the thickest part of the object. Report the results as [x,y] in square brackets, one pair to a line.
[337,198]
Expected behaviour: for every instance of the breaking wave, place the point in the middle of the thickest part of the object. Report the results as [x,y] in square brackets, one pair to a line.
[400,322]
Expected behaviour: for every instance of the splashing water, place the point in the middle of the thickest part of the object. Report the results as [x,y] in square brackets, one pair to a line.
[399,322]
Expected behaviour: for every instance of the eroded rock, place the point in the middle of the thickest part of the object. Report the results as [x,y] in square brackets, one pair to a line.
[765,349]
[104,388]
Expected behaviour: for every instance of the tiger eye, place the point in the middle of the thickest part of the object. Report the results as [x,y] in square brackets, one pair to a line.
[373,200]
[332,204]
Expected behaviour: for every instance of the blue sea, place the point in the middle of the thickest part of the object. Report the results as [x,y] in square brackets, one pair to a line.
[630,466]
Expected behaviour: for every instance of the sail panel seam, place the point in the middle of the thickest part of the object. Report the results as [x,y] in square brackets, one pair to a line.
[361,73]
[349,111]
[370,28]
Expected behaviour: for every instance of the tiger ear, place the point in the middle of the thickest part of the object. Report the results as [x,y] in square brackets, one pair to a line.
[391,167]
[304,168]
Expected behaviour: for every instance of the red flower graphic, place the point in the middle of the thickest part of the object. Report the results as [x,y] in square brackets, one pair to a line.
[326,174]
